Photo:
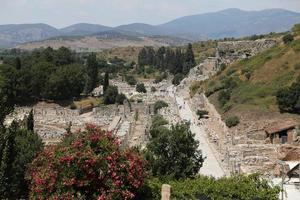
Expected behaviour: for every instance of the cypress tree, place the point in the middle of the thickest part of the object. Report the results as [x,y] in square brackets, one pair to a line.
[142,57]
[160,57]
[18,63]
[92,72]
[189,60]
[151,56]
[6,162]
[106,82]
[178,61]
[30,121]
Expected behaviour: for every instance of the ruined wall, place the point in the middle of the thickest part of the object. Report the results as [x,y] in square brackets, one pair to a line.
[231,50]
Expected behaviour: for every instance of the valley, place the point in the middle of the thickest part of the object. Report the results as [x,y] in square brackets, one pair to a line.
[203,107]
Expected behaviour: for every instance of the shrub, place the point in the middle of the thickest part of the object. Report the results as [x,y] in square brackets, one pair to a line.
[232,121]
[149,70]
[86,165]
[120,98]
[223,67]
[110,95]
[240,187]
[177,79]
[229,83]
[153,89]
[248,75]
[288,38]
[130,80]
[159,105]
[141,88]
[223,97]
[160,77]
[73,106]
[297,66]
[288,99]
[230,72]
[227,107]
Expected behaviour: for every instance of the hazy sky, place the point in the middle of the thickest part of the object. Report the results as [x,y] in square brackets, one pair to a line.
[60,13]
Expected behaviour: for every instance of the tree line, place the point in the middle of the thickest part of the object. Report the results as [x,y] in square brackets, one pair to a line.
[176,61]
[48,74]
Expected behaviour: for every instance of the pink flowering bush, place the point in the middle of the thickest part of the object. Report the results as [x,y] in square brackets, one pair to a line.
[86,165]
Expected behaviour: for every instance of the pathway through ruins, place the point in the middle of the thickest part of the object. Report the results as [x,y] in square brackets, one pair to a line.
[211,166]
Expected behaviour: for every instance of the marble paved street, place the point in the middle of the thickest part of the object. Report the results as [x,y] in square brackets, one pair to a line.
[211,166]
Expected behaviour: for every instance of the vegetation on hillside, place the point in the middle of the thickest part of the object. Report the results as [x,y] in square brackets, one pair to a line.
[256,81]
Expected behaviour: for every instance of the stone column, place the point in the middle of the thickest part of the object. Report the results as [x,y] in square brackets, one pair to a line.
[165,192]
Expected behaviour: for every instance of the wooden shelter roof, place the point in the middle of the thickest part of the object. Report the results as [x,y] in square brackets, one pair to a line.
[280,126]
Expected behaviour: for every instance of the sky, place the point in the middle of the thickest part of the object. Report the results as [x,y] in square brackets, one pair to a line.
[61,13]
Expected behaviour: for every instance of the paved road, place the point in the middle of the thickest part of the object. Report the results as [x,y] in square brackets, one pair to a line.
[211,166]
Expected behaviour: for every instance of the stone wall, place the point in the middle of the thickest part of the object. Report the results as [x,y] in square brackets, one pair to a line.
[231,50]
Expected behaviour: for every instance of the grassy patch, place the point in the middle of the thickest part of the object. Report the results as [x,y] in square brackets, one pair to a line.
[88,101]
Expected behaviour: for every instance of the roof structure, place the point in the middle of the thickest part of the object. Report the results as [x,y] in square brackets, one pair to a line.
[294,171]
[280,126]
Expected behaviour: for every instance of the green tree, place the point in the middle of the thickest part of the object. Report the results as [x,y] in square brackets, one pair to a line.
[18,147]
[30,121]
[174,153]
[7,151]
[189,59]
[178,62]
[106,82]
[160,57]
[120,98]
[40,74]
[288,99]
[110,95]
[6,106]
[63,56]
[142,57]
[18,63]
[141,88]
[67,82]
[92,73]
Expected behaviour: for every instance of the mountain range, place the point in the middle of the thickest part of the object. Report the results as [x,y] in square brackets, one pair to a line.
[225,23]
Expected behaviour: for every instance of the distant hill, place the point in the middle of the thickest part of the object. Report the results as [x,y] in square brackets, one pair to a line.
[83,29]
[104,40]
[233,23]
[226,23]
[145,29]
[13,34]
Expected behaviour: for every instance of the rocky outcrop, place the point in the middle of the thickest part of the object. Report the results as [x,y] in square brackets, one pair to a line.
[289,153]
